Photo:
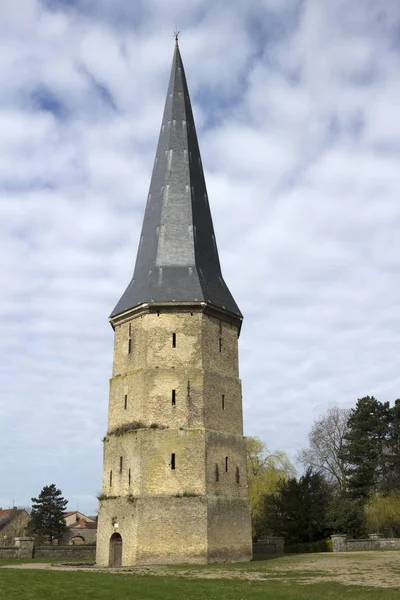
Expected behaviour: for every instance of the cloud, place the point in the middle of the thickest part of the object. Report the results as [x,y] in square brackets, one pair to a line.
[296,110]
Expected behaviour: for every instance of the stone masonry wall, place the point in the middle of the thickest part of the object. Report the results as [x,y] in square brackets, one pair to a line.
[65,552]
[26,549]
[88,535]
[341,544]
[143,379]
[8,552]
[175,395]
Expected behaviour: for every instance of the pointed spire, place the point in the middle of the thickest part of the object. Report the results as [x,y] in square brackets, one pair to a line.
[177,259]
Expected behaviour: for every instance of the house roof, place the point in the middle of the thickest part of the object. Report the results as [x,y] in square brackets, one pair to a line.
[177,259]
[83,525]
[71,513]
[8,515]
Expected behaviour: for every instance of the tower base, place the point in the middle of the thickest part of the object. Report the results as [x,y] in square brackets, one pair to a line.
[173,530]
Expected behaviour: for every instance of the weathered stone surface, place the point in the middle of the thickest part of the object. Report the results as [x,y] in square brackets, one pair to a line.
[66,552]
[8,552]
[190,513]
[25,546]
[374,542]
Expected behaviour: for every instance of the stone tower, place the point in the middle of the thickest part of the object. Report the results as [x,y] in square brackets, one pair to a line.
[174,478]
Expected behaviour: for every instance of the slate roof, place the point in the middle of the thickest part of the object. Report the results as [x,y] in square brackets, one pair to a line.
[177,259]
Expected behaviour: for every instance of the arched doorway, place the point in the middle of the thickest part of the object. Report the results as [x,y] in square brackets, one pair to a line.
[77,540]
[115,550]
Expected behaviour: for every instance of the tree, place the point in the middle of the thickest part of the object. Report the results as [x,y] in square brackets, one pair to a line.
[265,472]
[47,513]
[298,511]
[392,478]
[346,516]
[383,512]
[325,444]
[364,448]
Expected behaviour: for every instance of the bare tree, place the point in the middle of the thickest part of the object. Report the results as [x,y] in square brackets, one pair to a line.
[325,442]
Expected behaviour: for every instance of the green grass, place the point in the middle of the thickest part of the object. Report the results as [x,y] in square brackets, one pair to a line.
[59,585]
[300,577]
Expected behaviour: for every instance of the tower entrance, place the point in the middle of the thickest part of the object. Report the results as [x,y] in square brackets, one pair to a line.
[115,550]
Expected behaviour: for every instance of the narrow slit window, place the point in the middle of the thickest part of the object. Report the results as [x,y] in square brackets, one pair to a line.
[125,401]
[173,461]
[220,344]
[226,464]
[110,478]
[121,461]
[129,345]
[237,475]
[129,477]
[216,472]
[130,329]
[223,401]
[174,340]
[173,397]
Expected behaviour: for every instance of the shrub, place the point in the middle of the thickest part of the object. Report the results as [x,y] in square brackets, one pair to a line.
[133,426]
[126,427]
[102,497]
[309,547]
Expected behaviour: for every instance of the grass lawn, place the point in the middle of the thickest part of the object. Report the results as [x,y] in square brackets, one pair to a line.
[59,585]
[301,577]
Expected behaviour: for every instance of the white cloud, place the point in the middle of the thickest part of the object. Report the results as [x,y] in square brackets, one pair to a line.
[296,110]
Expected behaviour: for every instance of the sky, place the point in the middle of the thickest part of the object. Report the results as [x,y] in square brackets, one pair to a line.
[296,104]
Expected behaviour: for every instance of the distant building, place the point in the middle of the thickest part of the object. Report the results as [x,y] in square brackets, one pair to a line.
[82,532]
[81,529]
[13,523]
[75,516]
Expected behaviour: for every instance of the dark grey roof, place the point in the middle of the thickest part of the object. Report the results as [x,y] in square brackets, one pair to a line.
[177,258]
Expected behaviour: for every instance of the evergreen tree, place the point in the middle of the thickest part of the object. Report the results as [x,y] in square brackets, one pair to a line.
[298,512]
[346,516]
[47,513]
[392,478]
[365,446]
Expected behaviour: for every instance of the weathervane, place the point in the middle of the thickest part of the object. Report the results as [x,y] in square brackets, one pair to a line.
[176,34]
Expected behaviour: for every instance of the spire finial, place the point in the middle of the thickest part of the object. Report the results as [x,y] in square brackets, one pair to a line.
[176,34]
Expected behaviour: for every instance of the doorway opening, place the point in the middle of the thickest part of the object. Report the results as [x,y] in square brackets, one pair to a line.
[116,550]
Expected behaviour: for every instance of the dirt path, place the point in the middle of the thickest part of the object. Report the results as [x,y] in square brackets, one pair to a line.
[374,569]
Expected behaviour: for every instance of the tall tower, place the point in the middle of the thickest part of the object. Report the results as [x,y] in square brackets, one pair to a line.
[174,478]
